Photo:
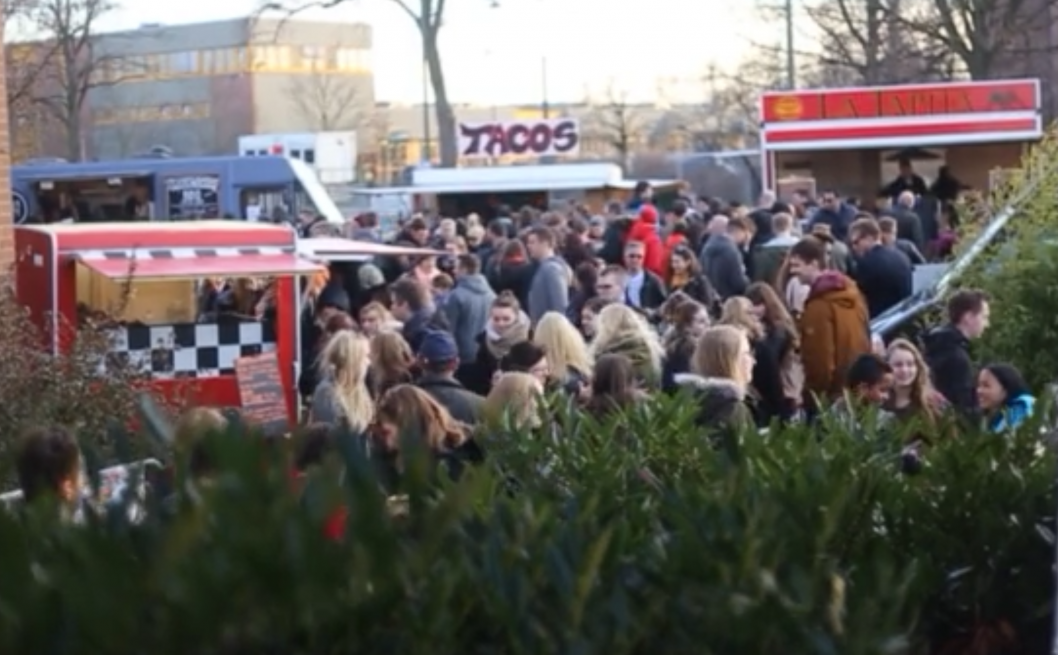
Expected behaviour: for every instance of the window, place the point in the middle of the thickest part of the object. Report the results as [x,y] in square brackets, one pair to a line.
[181,63]
[296,154]
[310,156]
[207,61]
[348,59]
[313,57]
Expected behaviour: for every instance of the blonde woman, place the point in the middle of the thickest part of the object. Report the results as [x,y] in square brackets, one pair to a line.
[375,318]
[619,330]
[568,359]
[342,397]
[513,404]
[767,379]
[722,368]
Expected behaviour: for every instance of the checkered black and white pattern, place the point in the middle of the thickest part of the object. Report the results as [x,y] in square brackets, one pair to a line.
[180,253]
[189,350]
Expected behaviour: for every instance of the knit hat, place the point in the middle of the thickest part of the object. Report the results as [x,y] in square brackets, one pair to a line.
[437,347]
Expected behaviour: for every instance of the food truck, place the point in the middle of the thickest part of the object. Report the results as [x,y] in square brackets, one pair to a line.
[142,283]
[258,188]
[850,140]
[481,190]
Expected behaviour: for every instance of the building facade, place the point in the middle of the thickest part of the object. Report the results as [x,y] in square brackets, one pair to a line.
[196,88]
[7,233]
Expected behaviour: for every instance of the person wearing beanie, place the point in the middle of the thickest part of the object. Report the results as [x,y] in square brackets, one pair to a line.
[438,359]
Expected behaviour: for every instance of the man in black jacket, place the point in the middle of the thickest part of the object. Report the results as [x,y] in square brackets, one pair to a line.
[947,349]
[884,275]
[439,359]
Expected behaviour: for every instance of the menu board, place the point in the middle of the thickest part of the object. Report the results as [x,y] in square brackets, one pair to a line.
[192,196]
[261,394]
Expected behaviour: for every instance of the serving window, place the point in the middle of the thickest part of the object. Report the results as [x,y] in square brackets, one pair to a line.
[194,326]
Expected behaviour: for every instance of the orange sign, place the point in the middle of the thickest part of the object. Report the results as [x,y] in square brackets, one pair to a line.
[902,101]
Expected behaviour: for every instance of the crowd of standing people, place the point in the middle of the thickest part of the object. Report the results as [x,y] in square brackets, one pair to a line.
[759,315]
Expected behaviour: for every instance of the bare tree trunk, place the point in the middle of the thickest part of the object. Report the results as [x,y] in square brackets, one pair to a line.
[446,120]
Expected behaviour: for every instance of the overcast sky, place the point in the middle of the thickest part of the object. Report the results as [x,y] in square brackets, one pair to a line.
[494,55]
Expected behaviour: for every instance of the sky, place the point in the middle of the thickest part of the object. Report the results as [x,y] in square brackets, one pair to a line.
[496,56]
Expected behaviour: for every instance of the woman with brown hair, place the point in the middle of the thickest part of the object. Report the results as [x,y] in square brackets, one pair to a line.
[767,371]
[781,342]
[507,325]
[407,412]
[690,321]
[613,387]
[392,363]
[685,276]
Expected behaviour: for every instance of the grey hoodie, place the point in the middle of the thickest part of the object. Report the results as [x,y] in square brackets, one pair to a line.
[467,311]
[549,290]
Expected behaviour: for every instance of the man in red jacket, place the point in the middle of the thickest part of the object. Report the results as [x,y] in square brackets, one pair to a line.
[645,230]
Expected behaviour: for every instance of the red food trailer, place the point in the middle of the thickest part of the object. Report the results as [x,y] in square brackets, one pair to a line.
[849,139]
[146,277]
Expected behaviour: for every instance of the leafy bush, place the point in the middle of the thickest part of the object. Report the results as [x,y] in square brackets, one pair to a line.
[786,544]
[37,388]
[1020,271]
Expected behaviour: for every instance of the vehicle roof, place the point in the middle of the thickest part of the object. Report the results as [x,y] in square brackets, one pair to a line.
[266,166]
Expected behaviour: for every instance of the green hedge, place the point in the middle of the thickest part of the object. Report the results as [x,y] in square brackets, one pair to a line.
[790,544]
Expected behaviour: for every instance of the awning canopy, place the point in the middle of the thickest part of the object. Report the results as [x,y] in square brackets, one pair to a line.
[338,249]
[198,267]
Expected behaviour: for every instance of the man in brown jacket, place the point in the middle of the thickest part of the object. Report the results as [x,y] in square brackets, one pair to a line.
[835,328]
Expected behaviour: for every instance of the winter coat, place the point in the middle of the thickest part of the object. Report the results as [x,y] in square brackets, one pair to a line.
[834,331]
[467,312]
[947,352]
[645,230]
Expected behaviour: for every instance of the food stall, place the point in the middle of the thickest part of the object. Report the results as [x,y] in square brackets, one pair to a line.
[142,282]
[482,190]
[849,140]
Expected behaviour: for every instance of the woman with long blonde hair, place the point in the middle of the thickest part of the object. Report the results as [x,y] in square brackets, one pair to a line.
[568,358]
[722,372]
[514,403]
[342,396]
[913,396]
[619,330]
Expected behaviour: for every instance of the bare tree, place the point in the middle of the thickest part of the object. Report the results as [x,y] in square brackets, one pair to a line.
[616,123]
[866,42]
[327,102]
[428,17]
[983,35]
[74,63]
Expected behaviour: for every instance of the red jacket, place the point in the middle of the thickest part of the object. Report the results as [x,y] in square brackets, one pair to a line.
[645,229]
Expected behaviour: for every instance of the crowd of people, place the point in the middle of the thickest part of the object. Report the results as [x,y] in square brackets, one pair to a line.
[760,315]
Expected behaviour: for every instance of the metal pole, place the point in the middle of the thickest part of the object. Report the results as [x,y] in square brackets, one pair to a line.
[545,107]
[425,107]
[791,64]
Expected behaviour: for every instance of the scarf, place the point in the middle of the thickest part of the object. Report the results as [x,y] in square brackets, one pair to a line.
[499,342]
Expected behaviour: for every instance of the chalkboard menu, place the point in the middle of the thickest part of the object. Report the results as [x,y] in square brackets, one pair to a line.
[261,394]
[193,196]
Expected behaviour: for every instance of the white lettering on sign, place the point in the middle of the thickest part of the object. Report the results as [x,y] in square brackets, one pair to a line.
[542,138]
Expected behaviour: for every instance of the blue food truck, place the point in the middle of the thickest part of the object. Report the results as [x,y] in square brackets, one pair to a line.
[254,188]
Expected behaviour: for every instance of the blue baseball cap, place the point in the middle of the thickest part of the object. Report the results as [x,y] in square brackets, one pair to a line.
[438,346]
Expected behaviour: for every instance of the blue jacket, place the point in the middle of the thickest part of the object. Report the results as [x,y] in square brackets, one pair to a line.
[467,311]
[1017,410]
